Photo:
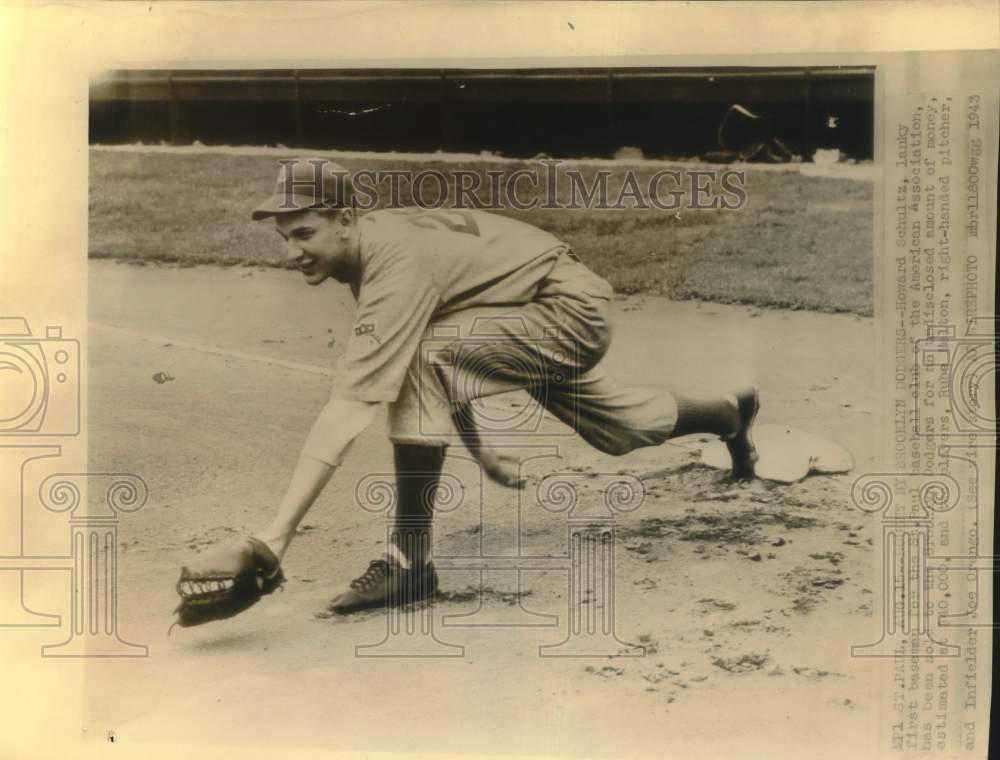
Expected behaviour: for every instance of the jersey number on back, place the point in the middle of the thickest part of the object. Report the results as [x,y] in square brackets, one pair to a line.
[454,220]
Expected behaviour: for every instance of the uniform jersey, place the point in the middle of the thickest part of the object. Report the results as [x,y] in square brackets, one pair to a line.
[419,264]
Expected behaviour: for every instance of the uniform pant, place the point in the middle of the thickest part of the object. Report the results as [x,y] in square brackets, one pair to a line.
[552,348]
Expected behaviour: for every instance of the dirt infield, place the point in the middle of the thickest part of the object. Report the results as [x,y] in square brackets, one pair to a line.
[737,593]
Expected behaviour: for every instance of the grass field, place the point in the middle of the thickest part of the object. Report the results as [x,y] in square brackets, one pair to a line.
[799,242]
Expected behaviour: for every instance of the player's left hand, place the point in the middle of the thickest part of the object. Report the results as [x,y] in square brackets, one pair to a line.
[226,581]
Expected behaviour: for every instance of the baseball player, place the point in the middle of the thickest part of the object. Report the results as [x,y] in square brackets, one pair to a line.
[443,278]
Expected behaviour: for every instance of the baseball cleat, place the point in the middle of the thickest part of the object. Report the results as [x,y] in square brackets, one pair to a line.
[386,583]
[741,446]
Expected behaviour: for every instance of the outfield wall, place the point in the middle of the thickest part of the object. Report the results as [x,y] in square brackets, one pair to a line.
[567,113]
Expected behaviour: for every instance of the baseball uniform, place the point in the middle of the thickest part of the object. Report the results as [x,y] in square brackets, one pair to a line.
[455,305]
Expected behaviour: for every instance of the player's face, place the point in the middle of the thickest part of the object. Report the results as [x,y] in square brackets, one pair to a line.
[318,244]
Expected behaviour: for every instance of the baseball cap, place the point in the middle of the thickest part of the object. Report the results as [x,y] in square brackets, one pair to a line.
[307,183]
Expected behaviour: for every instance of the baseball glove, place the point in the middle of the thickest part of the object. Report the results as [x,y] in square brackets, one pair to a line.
[219,584]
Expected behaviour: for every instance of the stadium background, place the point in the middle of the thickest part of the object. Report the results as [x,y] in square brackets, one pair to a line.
[565,113]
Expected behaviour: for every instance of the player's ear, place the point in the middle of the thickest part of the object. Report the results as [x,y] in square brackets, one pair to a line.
[342,219]
[346,218]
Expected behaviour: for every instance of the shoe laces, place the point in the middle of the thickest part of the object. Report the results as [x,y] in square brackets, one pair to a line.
[377,571]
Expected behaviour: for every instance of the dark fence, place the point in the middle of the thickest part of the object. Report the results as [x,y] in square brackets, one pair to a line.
[518,113]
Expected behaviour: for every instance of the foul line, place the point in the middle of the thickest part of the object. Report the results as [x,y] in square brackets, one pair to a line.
[313,369]
[217,351]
